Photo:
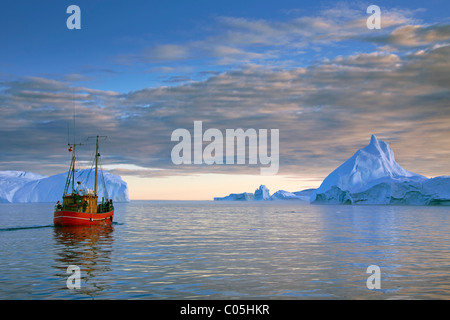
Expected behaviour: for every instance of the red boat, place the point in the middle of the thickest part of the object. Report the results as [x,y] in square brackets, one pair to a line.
[65,217]
[80,206]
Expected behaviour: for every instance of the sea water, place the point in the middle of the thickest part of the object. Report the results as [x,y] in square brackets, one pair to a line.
[228,250]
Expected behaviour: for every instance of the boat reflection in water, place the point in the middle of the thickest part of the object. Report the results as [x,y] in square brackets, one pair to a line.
[89,248]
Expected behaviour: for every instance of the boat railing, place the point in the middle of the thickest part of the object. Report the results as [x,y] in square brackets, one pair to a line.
[105,207]
[102,207]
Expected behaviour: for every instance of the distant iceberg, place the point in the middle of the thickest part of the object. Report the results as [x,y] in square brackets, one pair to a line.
[263,194]
[284,195]
[20,186]
[303,195]
[237,197]
[372,176]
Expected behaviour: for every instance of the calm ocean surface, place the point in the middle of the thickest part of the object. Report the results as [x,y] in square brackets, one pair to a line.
[228,250]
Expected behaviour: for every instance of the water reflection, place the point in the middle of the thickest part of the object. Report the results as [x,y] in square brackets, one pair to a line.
[207,250]
[89,248]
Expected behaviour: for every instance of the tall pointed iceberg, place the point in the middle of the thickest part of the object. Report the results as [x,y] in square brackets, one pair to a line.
[372,176]
[262,193]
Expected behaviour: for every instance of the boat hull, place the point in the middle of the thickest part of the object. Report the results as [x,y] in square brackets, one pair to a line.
[71,218]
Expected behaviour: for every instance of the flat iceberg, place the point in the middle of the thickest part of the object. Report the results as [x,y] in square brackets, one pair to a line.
[372,176]
[246,196]
[285,195]
[262,193]
[19,186]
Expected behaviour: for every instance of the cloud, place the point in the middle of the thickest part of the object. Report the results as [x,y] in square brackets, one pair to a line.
[410,36]
[324,110]
[167,52]
[237,40]
[416,35]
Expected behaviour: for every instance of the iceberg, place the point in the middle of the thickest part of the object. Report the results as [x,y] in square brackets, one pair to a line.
[11,181]
[262,194]
[372,176]
[284,195]
[304,195]
[246,196]
[19,186]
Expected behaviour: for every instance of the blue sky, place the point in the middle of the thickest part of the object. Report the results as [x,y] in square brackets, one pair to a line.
[138,70]
[115,36]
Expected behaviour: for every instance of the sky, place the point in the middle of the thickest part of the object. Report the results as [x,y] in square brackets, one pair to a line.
[137,71]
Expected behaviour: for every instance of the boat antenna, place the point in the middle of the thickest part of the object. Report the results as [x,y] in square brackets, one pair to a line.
[73,108]
[71,175]
[68,133]
[74,154]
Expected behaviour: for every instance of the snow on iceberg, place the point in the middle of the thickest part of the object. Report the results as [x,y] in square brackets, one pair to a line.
[18,186]
[372,176]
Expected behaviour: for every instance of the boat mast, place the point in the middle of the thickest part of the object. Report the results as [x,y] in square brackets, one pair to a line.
[74,137]
[73,170]
[96,168]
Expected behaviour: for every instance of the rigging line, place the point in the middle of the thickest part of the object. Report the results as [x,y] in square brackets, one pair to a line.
[90,169]
[105,191]
[78,169]
[91,166]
